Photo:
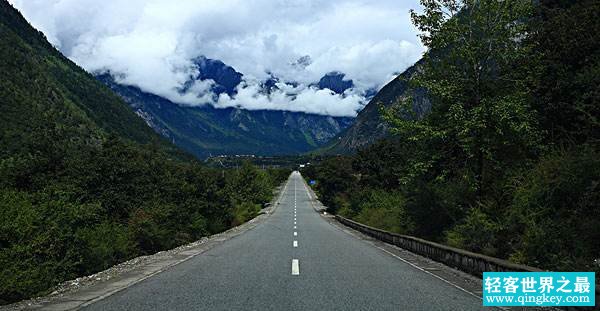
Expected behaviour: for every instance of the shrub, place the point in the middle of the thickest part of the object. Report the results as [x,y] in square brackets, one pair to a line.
[556,208]
[244,212]
[476,232]
[385,210]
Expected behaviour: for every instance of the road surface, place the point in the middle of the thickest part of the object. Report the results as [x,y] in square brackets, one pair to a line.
[294,260]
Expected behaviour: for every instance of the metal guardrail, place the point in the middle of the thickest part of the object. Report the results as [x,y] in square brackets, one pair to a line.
[469,262]
[460,259]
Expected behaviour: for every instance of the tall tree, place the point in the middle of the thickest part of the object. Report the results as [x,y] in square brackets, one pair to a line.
[566,58]
[481,122]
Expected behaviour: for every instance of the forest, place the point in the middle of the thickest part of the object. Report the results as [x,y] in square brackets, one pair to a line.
[507,161]
[69,213]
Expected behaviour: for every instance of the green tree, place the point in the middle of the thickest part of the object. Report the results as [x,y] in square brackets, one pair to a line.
[385,210]
[555,212]
[250,184]
[336,178]
[566,70]
[481,122]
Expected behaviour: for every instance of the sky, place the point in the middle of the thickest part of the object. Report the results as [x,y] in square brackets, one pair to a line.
[151,43]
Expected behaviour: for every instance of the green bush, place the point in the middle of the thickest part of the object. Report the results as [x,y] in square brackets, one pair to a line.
[129,202]
[385,210]
[244,212]
[556,210]
[102,245]
[39,244]
[476,232]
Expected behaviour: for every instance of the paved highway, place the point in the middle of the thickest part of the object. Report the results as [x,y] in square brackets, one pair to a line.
[294,260]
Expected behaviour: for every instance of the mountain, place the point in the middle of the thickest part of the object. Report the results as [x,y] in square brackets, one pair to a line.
[302,62]
[335,81]
[369,125]
[75,162]
[206,130]
[225,77]
[42,89]
[85,183]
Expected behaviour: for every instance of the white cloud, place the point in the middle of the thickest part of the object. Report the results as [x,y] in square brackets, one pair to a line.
[290,98]
[151,42]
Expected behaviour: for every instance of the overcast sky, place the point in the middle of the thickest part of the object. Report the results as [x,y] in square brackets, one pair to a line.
[151,43]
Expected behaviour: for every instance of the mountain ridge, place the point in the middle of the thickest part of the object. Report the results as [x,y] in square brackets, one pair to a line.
[69,93]
[206,130]
[369,125]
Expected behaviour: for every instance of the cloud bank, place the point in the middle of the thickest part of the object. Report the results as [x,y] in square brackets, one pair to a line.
[150,44]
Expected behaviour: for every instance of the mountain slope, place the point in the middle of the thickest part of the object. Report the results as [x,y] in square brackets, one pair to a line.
[336,82]
[55,90]
[225,77]
[206,131]
[85,183]
[369,125]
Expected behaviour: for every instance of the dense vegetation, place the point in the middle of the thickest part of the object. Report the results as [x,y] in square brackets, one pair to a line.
[84,183]
[507,162]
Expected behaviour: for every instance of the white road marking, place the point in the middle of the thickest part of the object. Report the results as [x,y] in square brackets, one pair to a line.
[295,267]
[295,243]
[294,222]
[295,227]
[295,233]
[413,265]
[423,270]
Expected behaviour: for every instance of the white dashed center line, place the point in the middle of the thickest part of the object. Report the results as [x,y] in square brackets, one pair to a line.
[295,267]
[295,262]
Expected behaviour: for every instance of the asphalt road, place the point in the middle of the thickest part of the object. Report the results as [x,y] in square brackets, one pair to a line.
[295,260]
